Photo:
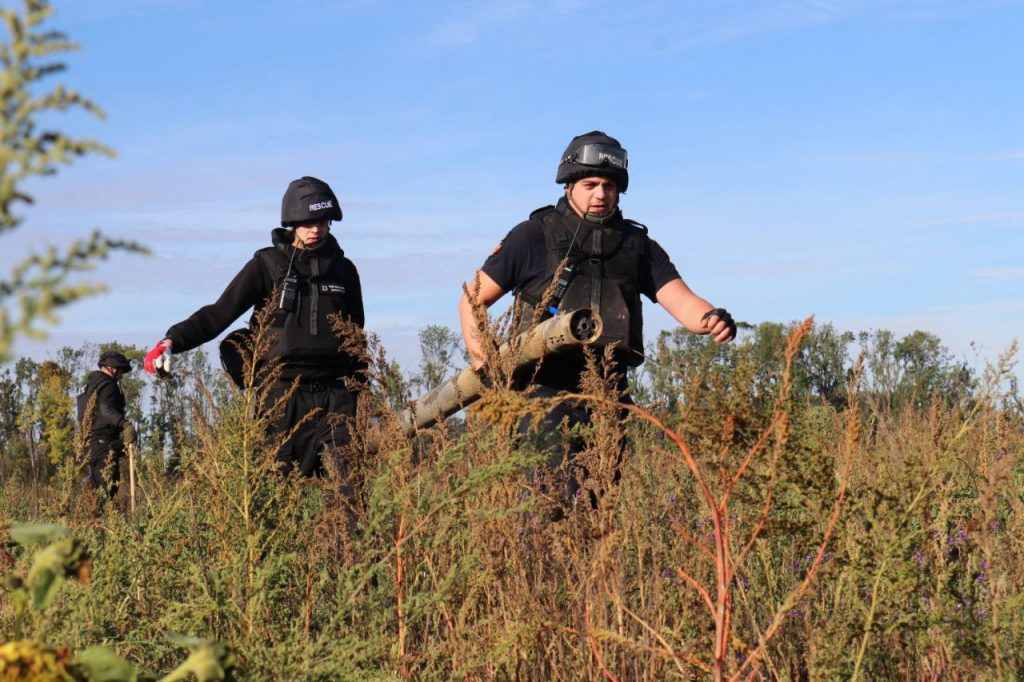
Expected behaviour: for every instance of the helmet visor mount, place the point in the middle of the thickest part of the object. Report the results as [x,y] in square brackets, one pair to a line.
[597,156]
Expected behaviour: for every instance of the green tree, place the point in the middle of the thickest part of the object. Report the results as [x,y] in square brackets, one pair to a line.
[911,369]
[824,361]
[51,413]
[169,426]
[42,283]
[879,354]
[928,367]
[12,404]
[675,359]
[439,347]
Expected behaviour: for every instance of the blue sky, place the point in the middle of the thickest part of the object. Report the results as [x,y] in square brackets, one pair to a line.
[858,160]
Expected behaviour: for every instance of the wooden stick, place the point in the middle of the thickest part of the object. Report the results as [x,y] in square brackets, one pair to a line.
[131,478]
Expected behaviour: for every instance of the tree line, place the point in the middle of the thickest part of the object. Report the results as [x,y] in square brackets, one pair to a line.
[38,430]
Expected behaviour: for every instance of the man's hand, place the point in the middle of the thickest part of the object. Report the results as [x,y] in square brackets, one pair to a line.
[158,360]
[128,433]
[719,324]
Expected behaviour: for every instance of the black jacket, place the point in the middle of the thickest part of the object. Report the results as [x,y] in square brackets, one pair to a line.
[328,284]
[107,415]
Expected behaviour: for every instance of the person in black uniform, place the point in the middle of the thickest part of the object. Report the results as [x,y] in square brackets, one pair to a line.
[101,417]
[313,281]
[604,262]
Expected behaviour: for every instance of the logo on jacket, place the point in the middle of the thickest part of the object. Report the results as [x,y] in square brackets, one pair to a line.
[332,289]
[322,205]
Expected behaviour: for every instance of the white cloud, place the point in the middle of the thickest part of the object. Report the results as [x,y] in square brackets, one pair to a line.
[1012,218]
[470,21]
[987,326]
[998,273]
[733,21]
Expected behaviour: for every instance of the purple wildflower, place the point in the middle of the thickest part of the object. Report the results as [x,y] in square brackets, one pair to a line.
[958,537]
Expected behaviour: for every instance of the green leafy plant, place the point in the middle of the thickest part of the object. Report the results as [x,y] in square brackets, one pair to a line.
[42,283]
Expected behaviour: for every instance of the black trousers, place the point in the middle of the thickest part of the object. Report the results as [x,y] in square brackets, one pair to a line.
[562,451]
[105,456]
[305,448]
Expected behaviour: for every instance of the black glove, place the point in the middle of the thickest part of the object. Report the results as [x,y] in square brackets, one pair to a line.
[723,315]
[128,433]
[484,376]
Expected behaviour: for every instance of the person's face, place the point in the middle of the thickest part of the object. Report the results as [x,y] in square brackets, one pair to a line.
[593,195]
[311,234]
[114,373]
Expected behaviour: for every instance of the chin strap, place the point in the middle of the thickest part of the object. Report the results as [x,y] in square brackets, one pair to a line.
[596,218]
[599,218]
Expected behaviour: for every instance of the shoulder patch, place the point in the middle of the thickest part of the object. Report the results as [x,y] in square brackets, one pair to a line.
[498,247]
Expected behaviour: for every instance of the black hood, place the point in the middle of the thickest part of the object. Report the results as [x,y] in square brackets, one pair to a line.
[282,238]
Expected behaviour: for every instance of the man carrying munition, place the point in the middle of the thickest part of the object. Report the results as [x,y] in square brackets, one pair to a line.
[604,262]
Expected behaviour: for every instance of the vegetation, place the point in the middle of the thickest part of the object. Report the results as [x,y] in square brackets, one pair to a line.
[777,508]
[42,283]
[765,523]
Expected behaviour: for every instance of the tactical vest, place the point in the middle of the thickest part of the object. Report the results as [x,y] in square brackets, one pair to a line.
[606,261]
[98,427]
[305,337]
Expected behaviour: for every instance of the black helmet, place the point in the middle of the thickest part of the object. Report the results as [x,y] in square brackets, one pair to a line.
[114,359]
[594,153]
[308,200]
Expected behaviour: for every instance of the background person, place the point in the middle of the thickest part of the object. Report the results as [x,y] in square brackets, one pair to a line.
[101,416]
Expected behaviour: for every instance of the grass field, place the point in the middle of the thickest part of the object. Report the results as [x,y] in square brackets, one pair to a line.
[766,524]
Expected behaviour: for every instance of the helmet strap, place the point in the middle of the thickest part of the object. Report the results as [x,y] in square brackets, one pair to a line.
[596,218]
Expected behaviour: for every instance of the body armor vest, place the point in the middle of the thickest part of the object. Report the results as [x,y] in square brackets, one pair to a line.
[605,262]
[304,334]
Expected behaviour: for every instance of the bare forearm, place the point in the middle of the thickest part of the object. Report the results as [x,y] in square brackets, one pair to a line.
[685,306]
[470,334]
[486,291]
